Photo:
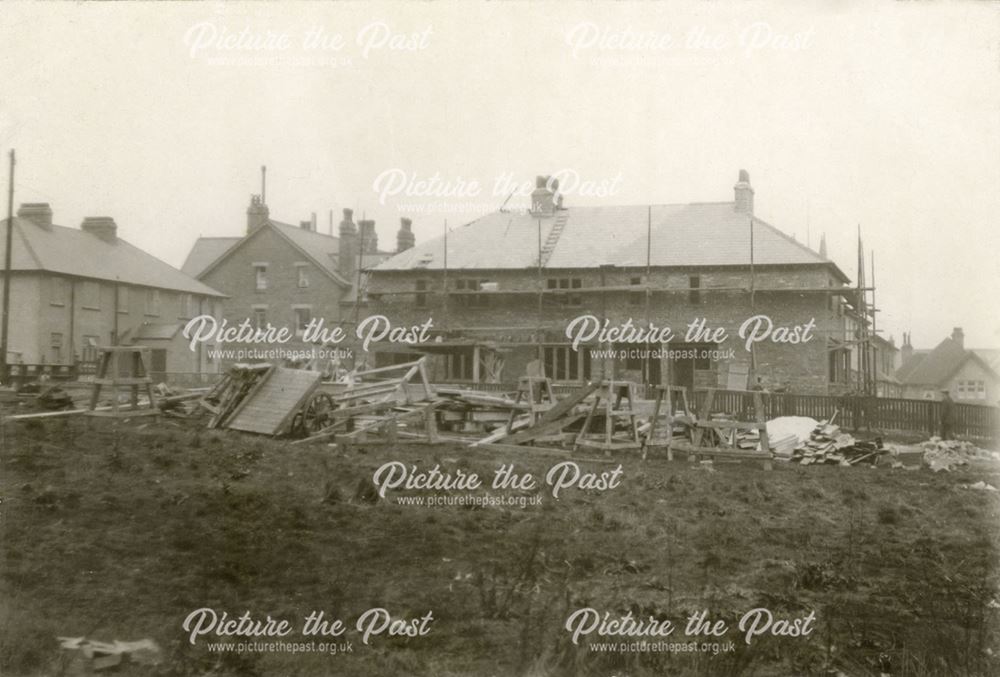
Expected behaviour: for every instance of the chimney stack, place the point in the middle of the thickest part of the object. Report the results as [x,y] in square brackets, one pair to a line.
[369,238]
[39,213]
[958,336]
[543,197]
[347,255]
[405,238]
[906,351]
[103,227]
[744,194]
[257,213]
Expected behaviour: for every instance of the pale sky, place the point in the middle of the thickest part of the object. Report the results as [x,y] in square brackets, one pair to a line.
[881,114]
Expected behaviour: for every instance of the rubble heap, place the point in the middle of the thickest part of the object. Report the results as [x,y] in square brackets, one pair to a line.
[949,454]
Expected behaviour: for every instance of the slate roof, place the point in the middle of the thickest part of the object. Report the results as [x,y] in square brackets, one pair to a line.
[71,251]
[910,364]
[939,365]
[699,234]
[323,249]
[990,356]
[204,252]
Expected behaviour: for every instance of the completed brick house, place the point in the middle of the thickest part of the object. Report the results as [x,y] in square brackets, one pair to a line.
[286,275]
[502,295]
[74,290]
[971,376]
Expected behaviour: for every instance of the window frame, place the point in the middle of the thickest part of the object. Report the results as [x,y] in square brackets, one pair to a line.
[260,284]
[299,330]
[152,302]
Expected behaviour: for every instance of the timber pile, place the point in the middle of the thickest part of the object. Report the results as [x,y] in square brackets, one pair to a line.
[475,412]
[828,445]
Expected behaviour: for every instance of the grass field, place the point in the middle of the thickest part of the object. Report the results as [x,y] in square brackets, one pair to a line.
[121,534]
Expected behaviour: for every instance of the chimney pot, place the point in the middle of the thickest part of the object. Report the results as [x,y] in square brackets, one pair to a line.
[39,213]
[103,227]
[743,202]
[405,238]
[257,213]
[347,253]
[543,197]
[958,336]
[369,238]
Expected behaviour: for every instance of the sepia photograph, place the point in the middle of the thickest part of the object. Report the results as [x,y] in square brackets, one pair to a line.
[500,339]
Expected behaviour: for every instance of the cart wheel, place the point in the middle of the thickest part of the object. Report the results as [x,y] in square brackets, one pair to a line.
[313,417]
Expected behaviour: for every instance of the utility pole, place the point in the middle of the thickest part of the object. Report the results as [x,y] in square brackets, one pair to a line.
[752,376]
[539,351]
[6,275]
[444,276]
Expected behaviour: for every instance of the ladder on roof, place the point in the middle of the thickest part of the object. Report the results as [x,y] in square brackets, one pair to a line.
[553,237]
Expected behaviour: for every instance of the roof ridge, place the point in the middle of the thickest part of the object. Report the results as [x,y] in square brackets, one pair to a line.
[282,224]
[638,205]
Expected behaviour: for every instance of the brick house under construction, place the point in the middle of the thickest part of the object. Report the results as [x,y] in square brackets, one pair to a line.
[503,294]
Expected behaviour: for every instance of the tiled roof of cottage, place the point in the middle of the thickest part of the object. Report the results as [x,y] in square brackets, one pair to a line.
[939,365]
[71,251]
[204,252]
[322,248]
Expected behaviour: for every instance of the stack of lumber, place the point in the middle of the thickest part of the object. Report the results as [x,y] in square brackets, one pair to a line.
[788,433]
[828,445]
[475,412]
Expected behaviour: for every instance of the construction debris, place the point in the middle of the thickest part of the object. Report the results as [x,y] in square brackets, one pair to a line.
[54,398]
[980,486]
[828,445]
[949,454]
[221,401]
[90,656]
[375,401]
[479,413]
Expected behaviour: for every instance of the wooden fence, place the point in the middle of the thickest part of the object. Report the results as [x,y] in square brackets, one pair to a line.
[889,414]
[877,414]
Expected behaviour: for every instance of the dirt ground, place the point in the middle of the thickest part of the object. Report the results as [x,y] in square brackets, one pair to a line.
[120,533]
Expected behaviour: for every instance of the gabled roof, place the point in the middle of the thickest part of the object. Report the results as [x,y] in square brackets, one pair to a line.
[71,251]
[204,252]
[319,248]
[910,364]
[699,234]
[939,365]
[990,356]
